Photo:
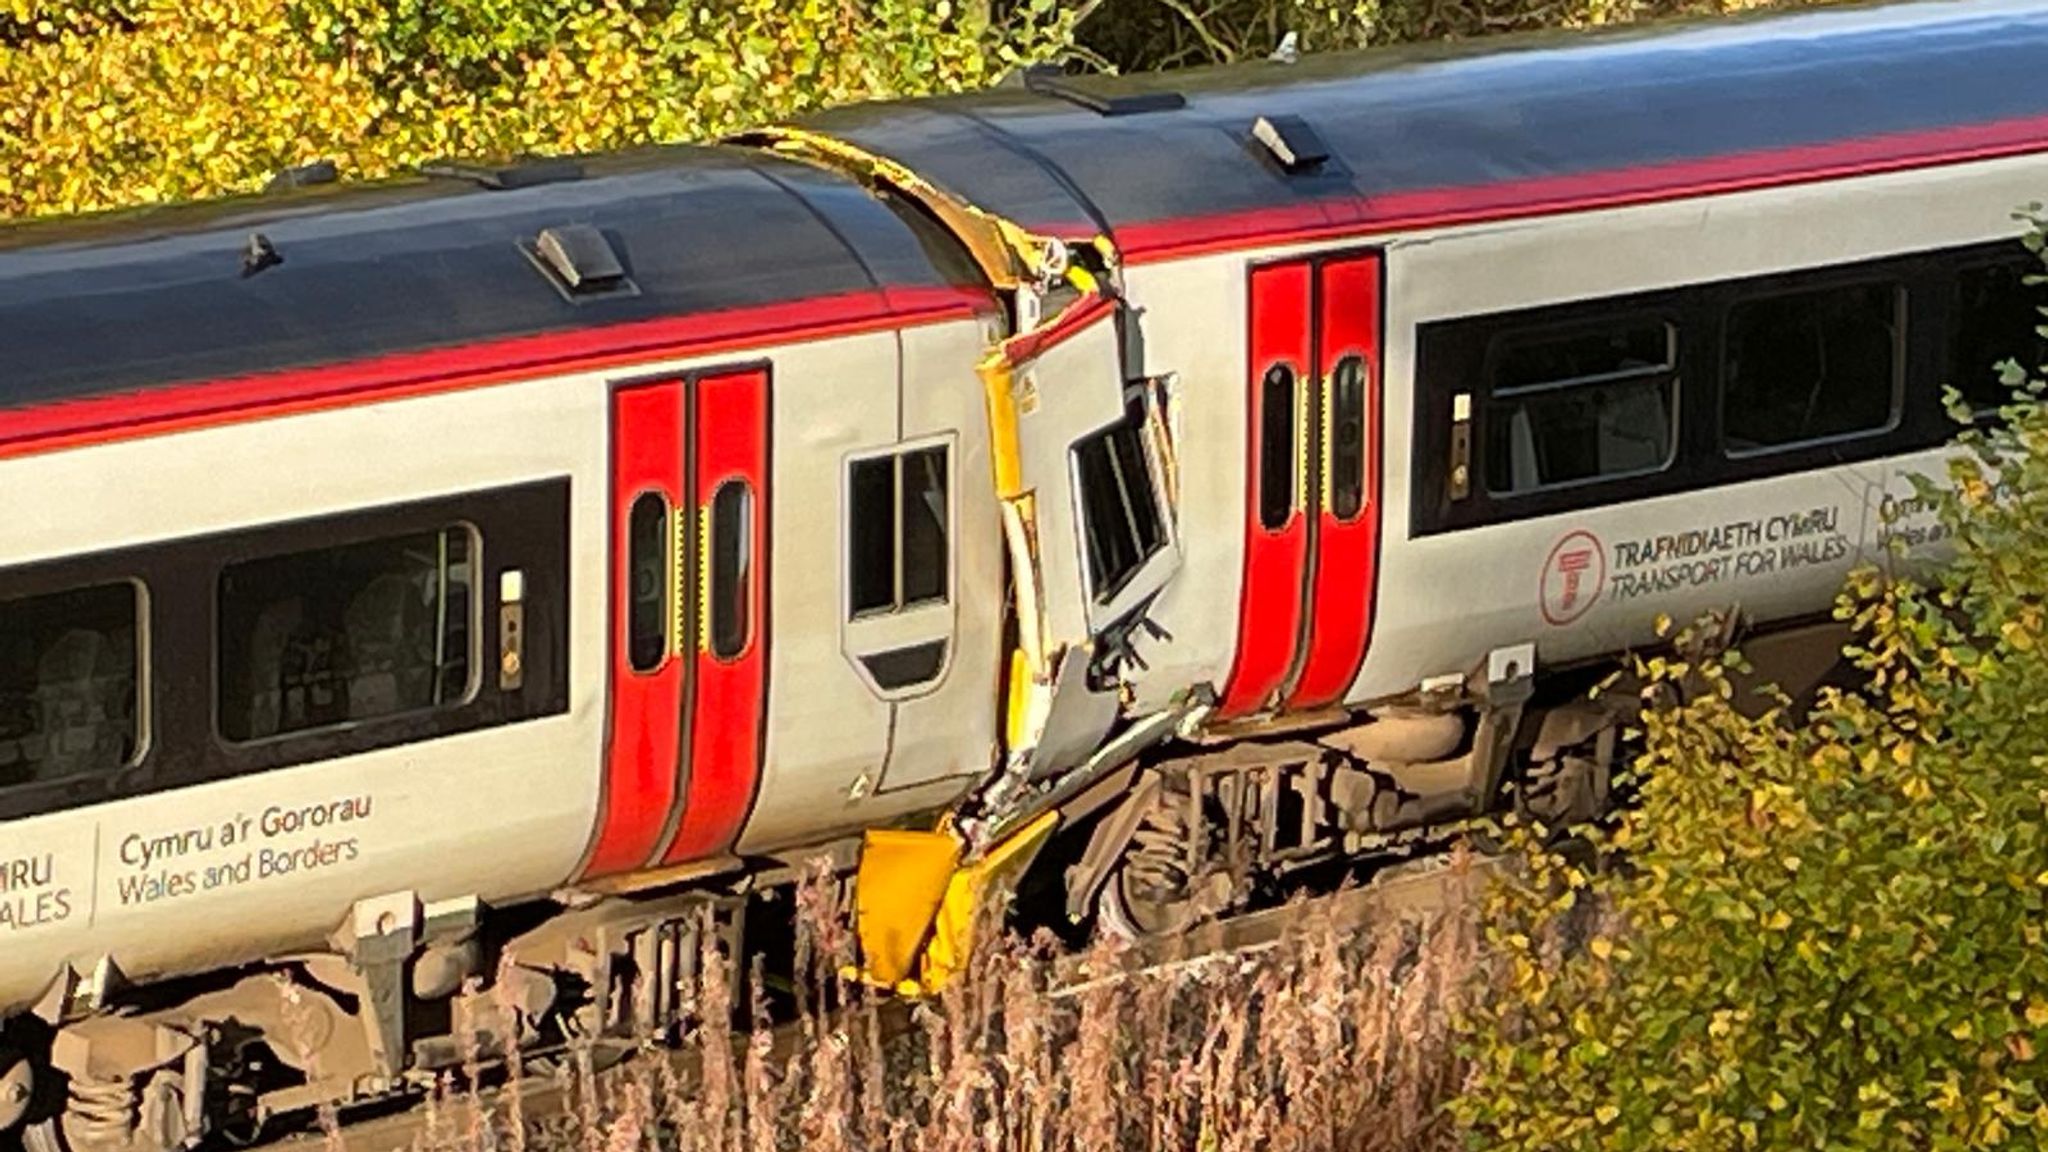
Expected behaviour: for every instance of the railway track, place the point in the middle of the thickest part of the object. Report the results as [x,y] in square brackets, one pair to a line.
[481,1119]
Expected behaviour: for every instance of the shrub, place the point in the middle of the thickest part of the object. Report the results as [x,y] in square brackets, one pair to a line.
[1823,929]
[106,102]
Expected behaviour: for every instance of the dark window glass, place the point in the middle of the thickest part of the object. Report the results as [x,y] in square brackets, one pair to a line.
[898,550]
[1276,447]
[69,691]
[336,635]
[1810,366]
[647,568]
[1998,318]
[871,539]
[1347,433]
[1581,357]
[732,568]
[1119,503]
[924,526]
[1585,404]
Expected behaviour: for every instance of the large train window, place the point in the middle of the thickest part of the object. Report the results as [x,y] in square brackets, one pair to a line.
[898,517]
[1582,403]
[1820,364]
[1120,510]
[70,683]
[1998,319]
[343,634]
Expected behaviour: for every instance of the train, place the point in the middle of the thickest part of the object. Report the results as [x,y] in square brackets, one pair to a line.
[441,607]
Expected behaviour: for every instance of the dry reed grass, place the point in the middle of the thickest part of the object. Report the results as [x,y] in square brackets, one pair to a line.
[1332,1039]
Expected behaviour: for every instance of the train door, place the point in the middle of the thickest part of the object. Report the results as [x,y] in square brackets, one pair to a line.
[1312,504]
[689,627]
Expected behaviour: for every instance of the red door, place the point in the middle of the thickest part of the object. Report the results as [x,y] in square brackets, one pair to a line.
[688,622]
[1312,494]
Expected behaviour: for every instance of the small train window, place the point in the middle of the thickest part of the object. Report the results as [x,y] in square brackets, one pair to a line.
[1276,447]
[899,551]
[1120,512]
[1582,404]
[1997,319]
[1813,365]
[732,569]
[338,635]
[647,567]
[70,685]
[1347,434]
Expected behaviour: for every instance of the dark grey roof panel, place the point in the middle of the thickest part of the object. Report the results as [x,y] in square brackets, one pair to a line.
[94,307]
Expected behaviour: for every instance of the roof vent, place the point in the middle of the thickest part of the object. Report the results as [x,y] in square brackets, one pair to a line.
[1291,143]
[505,177]
[1048,80]
[579,262]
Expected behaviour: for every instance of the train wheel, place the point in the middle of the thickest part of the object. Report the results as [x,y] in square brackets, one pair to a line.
[1129,909]
[1160,889]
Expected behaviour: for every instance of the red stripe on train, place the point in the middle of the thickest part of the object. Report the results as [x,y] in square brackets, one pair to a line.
[179,407]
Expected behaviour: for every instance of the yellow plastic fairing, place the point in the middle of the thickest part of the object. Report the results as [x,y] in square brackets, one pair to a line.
[902,881]
[952,943]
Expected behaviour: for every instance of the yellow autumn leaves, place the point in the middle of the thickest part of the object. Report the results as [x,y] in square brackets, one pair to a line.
[105,104]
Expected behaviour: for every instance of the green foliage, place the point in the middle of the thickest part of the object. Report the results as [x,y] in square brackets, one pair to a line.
[1824,931]
[1144,34]
[114,102]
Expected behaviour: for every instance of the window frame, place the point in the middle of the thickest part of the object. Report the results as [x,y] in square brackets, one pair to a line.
[896,455]
[1448,359]
[1670,375]
[58,584]
[669,584]
[1107,605]
[472,686]
[750,564]
[527,528]
[2013,255]
[1901,322]
[870,640]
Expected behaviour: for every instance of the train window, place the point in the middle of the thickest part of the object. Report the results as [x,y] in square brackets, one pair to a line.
[1579,405]
[923,478]
[732,569]
[1347,435]
[70,693]
[1997,319]
[1276,447]
[1119,502]
[647,565]
[339,635]
[899,552]
[1810,365]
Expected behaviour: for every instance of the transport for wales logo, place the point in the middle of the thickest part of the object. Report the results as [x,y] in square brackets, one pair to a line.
[1573,577]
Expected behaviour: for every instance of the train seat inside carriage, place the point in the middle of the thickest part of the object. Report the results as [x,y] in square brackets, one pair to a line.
[68,686]
[338,635]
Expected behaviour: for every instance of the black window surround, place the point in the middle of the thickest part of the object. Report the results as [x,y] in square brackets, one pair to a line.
[523,528]
[1456,358]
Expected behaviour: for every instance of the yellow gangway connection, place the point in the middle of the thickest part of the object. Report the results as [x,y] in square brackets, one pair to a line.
[916,904]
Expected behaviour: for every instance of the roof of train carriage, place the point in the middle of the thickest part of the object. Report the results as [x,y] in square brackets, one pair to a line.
[145,317]
[1489,128]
